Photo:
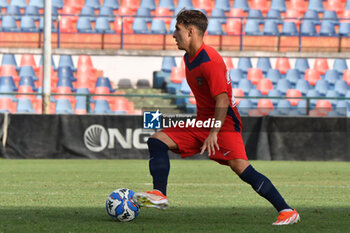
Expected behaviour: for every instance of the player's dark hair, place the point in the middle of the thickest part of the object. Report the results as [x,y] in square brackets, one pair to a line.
[193,17]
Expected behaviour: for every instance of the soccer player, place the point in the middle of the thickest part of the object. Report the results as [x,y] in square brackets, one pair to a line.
[207,75]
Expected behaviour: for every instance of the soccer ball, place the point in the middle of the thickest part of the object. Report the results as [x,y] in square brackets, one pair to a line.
[120,205]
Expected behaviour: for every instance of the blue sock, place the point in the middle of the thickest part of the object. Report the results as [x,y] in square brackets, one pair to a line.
[159,163]
[263,186]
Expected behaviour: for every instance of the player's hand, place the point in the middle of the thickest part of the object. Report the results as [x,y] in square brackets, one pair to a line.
[210,143]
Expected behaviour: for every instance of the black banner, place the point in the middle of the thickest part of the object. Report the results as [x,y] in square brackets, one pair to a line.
[123,136]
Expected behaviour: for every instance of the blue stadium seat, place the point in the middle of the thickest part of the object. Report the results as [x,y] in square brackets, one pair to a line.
[312,16]
[245,85]
[41,25]
[331,76]
[340,65]
[66,60]
[102,107]
[302,64]
[293,75]
[215,27]
[57,3]
[301,107]
[37,3]
[331,16]
[93,3]
[9,24]
[236,75]
[149,4]
[252,27]
[263,64]
[66,82]
[279,5]
[105,82]
[219,14]
[341,87]
[327,29]
[84,25]
[184,4]
[172,25]
[312,93]
[167,4]
[274,15]
[308,28]
[244,63]
[340,109]
[27,81]
[168,63]
[322,87]
[25,106]
[270,28]
[89,12]
[184,87]
[347,5]
[112,3]
[256,15]
[65,72]
[283,107]
[28,24]
[4,4]
[333,94]
[274,75]
[344,29]
[107,12]
[244,106]
[274,93]
[144,12]
[102,25]
[19,3]
[9,83]
[289,29]
[9,59]
[283,85]
[14,11]
[254,93]
[63,106]
[241,4]
[28,71]
[316,5]
[32,11]
[303,86]
[140,26]
[158,27]
[222,4]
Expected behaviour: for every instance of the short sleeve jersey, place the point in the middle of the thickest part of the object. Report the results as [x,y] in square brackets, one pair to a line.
[207,76]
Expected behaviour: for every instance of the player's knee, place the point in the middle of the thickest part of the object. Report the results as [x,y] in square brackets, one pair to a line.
[156,144]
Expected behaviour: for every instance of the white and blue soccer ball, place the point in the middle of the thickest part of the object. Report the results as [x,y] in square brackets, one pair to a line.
[120,205]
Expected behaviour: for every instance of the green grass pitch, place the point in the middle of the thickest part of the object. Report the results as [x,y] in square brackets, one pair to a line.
[69,196]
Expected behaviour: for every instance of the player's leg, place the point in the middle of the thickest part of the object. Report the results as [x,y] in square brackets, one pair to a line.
[264,187]
[159,166]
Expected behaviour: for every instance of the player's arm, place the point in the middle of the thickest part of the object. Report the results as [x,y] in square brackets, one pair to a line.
[222,103]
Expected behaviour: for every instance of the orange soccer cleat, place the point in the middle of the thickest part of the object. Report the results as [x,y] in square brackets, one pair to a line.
[287,218]
[153,198]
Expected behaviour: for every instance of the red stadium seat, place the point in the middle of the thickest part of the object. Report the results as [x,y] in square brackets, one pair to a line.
[237,92]
[28,60]
[67,24]
[229,63]
[65,90]
[6,105]
[265,85]
[293,15]
[126,11]
[233,27]
[206,5]
[312,76]
[10,70]
[127,26]
[177,74]
[132,4]
[164,14]
[255,75]
[321,65]
[346,76]
[323,107]
[121,104]
[54,78]
[298,5]
[26,89]
[264,106]
[282,64]
[293,93]
[85,61]
[78,4]
[261,5]
[335,5]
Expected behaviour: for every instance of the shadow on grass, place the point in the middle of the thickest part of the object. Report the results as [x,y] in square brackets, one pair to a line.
[176,219]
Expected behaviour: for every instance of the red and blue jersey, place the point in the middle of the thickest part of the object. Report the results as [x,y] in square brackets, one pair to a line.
[207,76]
